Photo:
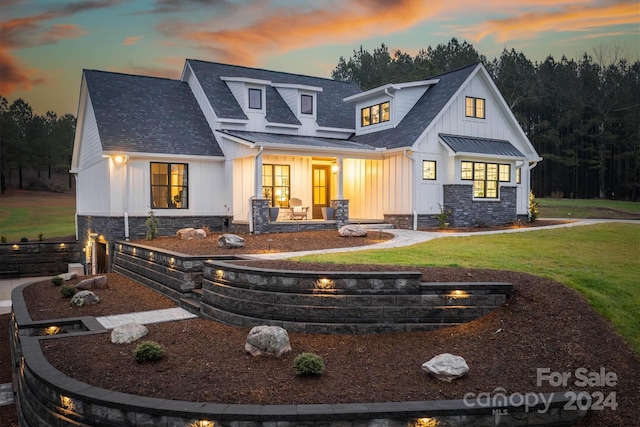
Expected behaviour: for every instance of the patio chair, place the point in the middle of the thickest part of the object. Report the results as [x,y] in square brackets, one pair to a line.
[297,210]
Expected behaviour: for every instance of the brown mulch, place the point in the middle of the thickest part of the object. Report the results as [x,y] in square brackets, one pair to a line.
[544,324]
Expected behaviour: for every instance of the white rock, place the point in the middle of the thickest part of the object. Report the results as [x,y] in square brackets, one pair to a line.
[191,233]
[127,333]
[84,298]
[97,282]
[67,276]
[352,230]
[268,340]
[230,241]
[446,367]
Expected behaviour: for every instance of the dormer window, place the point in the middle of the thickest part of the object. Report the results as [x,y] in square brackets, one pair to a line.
[255,99]
[474,107]
[306,104]
[375,114]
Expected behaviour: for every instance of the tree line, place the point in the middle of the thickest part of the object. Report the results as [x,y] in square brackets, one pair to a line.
[30,143]
[582,116]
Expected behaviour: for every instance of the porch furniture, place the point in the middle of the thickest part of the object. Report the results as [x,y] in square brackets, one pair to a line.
[297,210]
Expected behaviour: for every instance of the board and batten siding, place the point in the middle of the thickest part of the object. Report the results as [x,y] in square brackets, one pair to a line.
[405,100]
[91,147]
[93,189]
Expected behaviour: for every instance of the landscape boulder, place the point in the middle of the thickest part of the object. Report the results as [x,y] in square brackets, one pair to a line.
[191,233]
[84,298]
[97,282]
[230,241]
[352,230]
[267,340]
[446,367]
[67,276]
[128,332]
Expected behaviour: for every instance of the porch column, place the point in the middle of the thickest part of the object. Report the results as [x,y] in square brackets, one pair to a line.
[340,179]
[257,179]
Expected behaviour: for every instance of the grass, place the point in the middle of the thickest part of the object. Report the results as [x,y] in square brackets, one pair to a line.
[600,261]
[588,208]
[29,214]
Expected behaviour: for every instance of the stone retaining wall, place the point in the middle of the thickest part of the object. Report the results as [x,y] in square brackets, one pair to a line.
[38,258]
[47,397]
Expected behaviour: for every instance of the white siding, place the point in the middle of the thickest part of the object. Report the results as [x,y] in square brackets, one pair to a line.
[93,189]
[91,147]
[405,100]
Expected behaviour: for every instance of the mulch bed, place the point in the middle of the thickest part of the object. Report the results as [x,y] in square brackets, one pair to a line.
[543,324]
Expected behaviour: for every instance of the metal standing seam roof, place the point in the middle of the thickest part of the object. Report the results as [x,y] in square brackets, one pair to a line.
[148,115]
[261,138]
[467,144]
[331,110]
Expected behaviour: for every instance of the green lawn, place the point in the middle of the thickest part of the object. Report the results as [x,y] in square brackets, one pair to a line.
[588,208]
[600,261]
[32,213]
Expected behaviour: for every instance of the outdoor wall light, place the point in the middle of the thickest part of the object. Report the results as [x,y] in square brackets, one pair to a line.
[334,167]
[219,274]
[150,255]
[67,403]
[52,330]
[203,423]
[62,246]
[324,284]
[15,247]
[172,261]
[458,294]
[423,422]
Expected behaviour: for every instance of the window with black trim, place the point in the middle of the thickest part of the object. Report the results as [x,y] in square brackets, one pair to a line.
[255,99]
[169,186]
[275,184]
[485,177]
[375,114]
[428,169]
[306,104]
[474,107]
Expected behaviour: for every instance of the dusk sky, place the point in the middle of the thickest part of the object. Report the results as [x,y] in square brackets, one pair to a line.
[45,44]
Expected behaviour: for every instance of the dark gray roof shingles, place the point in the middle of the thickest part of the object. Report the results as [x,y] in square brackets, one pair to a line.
[422,114]
[148,114]
[332,111]
[467,144]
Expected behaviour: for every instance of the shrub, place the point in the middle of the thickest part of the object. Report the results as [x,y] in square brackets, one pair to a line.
[148,351]
[443,217]
[3,239]
[308,364]
[41,237]
[152,226]
[57,280]
[533,207]
[24,239]
[68,291]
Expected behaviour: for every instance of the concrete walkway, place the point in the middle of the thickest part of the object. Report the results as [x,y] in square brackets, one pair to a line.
[411,237]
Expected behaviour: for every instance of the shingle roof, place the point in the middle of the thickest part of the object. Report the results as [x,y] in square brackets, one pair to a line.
[467,144]
[148,114]
[261,138]
[332,112]
[422,114]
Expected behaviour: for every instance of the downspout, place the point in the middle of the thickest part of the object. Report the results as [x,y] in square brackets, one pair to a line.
[75,215]
[413,188]
[255,189]
[126,198]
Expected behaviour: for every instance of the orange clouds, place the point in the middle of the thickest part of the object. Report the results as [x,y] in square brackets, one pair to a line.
[567,18]
[131,40]
[282,30]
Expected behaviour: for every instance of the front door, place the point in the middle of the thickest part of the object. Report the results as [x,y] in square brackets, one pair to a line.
[321,189]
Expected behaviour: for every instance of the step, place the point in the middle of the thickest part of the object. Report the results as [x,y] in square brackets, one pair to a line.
[196,294]
[191,304]
[381,226]
[6,394]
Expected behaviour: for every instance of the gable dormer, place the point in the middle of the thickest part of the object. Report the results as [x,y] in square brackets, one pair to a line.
[384,107]
[301,99]
[249,93]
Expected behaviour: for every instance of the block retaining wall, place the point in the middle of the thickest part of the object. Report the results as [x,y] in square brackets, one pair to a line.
[38,258]
[47,397]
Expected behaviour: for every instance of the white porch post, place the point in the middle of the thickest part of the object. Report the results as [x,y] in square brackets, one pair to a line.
[257,190]
[340,179]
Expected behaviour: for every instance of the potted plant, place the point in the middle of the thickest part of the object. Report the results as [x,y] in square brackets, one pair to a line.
[273,210]
[328,212]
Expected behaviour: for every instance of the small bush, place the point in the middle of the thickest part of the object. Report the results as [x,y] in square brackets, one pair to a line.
[151,224]
[443,216]
[24,239]
[308,364]
[57,280]
[41,237]
[68,291]
[533,207]
[3,239]
[148,351]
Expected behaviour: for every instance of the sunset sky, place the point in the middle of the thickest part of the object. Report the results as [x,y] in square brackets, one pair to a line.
[45,44]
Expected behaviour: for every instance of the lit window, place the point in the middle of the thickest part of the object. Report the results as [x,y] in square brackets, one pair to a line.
[306,104]
[474,107]
[275,184]
[486,177]
[169,186]
[255,99]
[428,169]
[375,114]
